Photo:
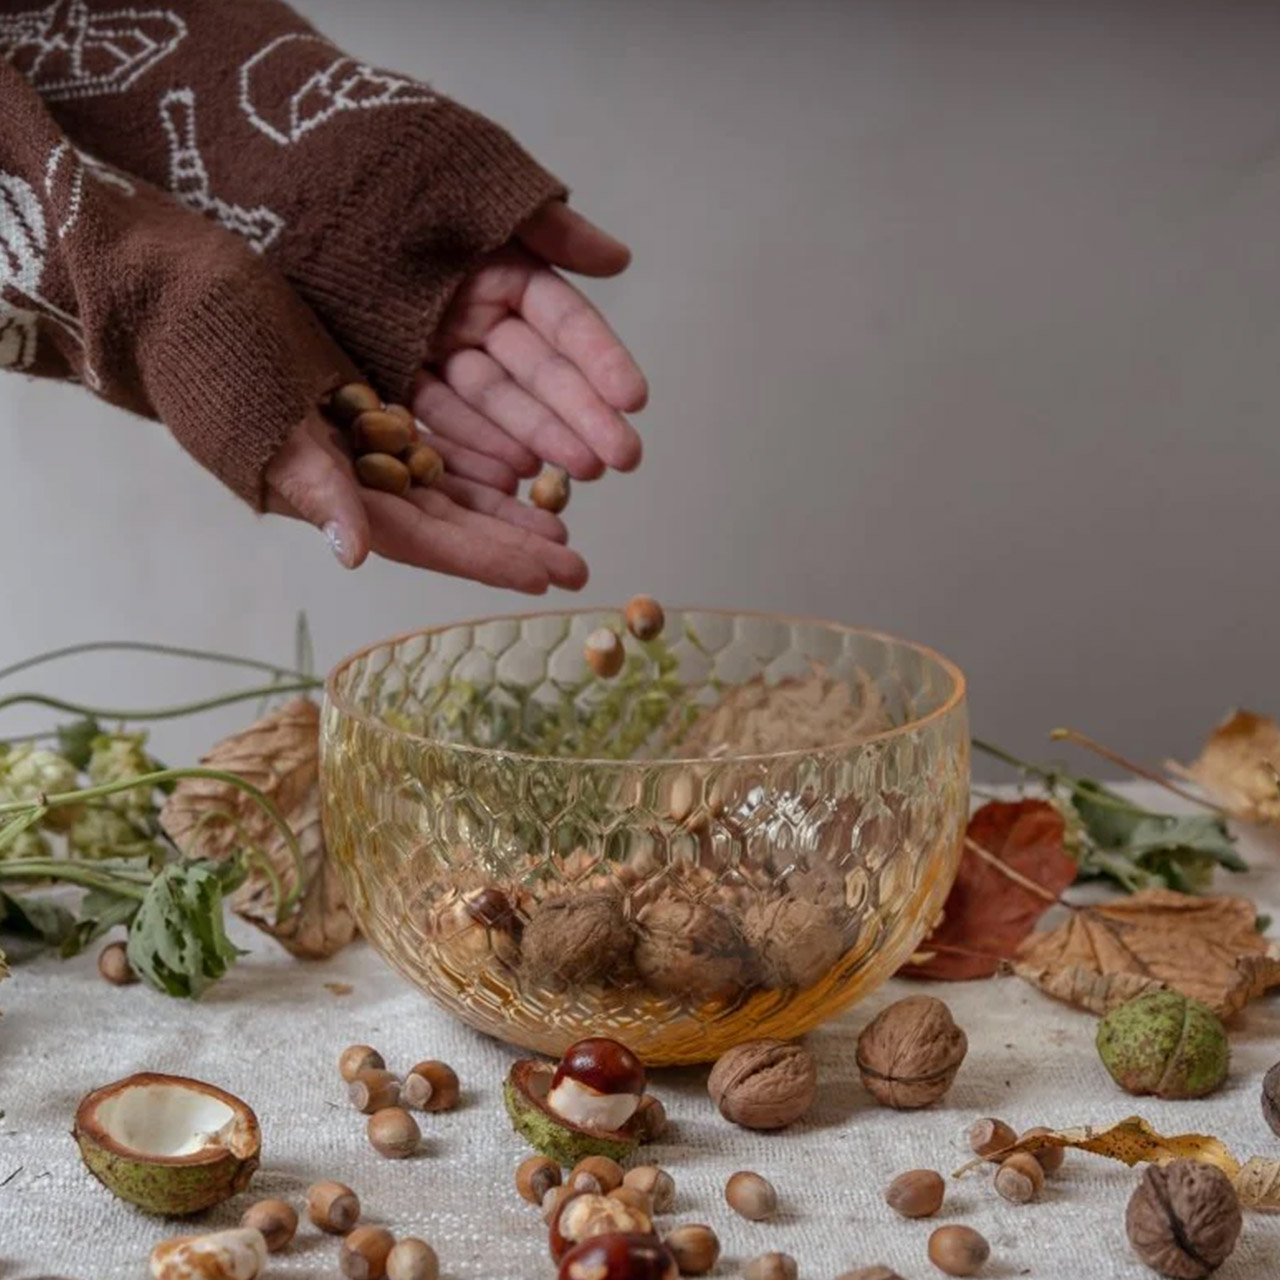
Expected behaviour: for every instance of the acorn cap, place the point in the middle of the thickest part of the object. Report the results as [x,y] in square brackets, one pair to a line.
[167,1144]
[525,1093]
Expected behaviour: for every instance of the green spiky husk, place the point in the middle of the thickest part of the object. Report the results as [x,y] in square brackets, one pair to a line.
[1166,1044]
[555,1139]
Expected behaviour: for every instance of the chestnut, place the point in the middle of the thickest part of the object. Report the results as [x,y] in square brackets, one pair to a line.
[619,1256]
[598,1084]
[585,1214]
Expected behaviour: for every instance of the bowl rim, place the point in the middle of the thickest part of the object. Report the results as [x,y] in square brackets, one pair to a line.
[954,700]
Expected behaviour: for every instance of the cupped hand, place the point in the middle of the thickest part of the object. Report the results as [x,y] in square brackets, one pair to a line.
[524,370]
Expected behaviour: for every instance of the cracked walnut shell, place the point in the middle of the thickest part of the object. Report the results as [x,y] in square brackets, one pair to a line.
[797,943]
[764,1084]
[576,940]
[909,1054]
[1184,1219]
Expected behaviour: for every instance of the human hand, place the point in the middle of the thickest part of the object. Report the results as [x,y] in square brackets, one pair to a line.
[524,370]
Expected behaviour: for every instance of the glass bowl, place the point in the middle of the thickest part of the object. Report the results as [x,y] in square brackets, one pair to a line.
[748,828]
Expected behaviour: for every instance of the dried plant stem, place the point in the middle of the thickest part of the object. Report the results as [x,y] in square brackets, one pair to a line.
[1016,876]
[159,713]
[1140,771]
[140,646]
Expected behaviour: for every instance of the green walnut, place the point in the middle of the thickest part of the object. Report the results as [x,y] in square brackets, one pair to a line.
[1164,1043]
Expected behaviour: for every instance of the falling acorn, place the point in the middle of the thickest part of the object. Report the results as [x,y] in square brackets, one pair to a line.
[168,1144]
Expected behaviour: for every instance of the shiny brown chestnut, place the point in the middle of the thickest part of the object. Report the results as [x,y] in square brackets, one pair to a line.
[598,1084]
[492,908]
[619,1256]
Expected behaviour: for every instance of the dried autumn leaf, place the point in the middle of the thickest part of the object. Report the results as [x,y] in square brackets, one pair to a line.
[280,755]
[1207,948]
[990,911]
[1133,1141]
[1238,767]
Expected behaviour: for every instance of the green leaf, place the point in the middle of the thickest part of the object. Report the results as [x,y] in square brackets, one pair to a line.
[1199,834]
[39,918]
[100,912]
[178,941]
[1108,818]
[75,741]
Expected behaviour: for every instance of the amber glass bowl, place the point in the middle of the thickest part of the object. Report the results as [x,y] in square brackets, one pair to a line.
[745,830]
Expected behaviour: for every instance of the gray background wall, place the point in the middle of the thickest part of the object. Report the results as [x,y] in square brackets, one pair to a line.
[962,321]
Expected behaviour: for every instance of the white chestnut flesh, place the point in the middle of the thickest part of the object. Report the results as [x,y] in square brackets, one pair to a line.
[598,1085]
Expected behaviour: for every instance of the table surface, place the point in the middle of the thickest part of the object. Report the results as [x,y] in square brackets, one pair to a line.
[272,1030]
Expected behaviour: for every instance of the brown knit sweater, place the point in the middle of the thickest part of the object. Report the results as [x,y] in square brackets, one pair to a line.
[368,193]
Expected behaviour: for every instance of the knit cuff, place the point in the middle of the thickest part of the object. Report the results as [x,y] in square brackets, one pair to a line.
[447,188]
[237,371]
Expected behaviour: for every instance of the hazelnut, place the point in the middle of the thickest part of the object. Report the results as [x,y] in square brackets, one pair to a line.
[604,653]
[377,431]
[1164,1043]
[382,471]
[959,1251]
[689,949]
[114,966]
[656,1183]
[619,1257]
[1050,1158]
[917,1194]
[333,1207]
[909,1054]
[553,1198]
[750,1196]
[695,1248]
[796,943]
[650,1120]
[394,1133]
[576,940]
[1271,1099]
[425,465]
[584,1214]
[277,1221]
[644,617]
[399,411]
[535,1177]
[597,1085]
[771,1266]
[358,1058]
[1184,1219]
[764,1084]
[633,1199]
[348,402]
[550,490]
[431,1086]
[372,1090]
[870,1273]
[412,1259]
[989,1138]
[1020,1178]
[606,1173]
[365,1252]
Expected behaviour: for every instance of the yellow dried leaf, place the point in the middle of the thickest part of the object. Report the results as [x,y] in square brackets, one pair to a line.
[1238,767]
[280,755]
[1207,948]
[1133,1141]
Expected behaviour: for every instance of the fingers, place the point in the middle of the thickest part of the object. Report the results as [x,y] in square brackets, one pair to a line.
[479,497]
[572,326]
[441,410]
[310,479]
[560,385]
[483,383]
[564,238]
[402,531]
[564,567]
[479,467]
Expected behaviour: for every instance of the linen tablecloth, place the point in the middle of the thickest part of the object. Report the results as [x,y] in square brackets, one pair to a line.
[272,1030]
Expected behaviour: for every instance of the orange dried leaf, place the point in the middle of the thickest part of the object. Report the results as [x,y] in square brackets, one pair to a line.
[1207,948]
[1134,1141]
[1238,767]
[989,910]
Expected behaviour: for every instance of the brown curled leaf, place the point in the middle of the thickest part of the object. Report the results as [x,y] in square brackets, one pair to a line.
[1238,767]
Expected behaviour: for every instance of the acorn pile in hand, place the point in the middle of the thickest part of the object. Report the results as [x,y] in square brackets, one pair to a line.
[390,455]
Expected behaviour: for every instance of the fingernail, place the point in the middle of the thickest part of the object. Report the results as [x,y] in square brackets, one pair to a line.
[339,542]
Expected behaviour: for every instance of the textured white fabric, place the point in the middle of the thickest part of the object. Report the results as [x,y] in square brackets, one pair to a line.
[271,1033]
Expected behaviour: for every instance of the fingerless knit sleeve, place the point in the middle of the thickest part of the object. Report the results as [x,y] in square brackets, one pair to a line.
[373,194]
[107,281]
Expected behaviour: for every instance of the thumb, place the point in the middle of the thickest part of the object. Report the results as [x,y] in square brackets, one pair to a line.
[309,479]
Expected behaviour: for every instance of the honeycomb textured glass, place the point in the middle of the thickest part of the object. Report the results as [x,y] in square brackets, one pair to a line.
[748,829]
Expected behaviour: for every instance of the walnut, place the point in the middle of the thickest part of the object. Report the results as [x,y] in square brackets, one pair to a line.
[909,1054]
[764,1084]
[470,929]
[576,939]
[1184,1218]
[689,949]
[796,943]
